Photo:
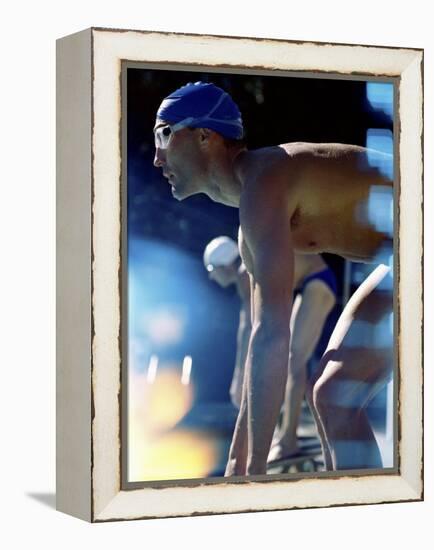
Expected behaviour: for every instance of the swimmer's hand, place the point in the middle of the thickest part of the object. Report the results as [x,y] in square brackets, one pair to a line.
[230,467]
[233,468]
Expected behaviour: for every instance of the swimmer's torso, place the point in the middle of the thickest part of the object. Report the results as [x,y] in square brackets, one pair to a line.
[339,196]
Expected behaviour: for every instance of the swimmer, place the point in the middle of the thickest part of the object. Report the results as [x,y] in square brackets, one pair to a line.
[222,260]
[294,197]
[315,297]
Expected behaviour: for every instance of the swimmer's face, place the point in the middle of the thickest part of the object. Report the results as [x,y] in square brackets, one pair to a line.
[181,161]
[224,276]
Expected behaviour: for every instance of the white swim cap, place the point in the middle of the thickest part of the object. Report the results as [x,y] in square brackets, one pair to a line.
[220,252]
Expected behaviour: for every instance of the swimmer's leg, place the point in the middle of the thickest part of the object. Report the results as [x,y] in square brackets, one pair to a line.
[310,312]
[356,365]
[328,463]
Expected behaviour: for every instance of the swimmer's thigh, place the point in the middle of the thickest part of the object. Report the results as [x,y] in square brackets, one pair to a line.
[359,357]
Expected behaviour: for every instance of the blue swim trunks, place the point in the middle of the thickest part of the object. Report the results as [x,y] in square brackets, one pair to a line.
[326,275]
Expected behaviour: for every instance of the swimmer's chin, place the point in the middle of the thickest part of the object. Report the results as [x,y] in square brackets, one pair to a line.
[176,195]
[180,195]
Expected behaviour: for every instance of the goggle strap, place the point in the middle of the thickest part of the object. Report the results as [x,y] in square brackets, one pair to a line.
[182,124]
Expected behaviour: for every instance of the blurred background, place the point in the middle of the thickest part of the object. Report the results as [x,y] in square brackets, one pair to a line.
[181,326]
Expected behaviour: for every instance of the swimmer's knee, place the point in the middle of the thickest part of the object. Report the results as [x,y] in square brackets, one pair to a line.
[337,398]
[322,394]
[330,392]
[314,381]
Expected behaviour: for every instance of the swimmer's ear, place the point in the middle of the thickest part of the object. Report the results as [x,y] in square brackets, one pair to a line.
[207,139]
[204,134]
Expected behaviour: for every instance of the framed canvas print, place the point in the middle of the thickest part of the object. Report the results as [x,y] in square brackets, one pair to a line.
[239,274]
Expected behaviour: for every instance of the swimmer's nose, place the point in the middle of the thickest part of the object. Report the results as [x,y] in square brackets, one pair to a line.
[159,158]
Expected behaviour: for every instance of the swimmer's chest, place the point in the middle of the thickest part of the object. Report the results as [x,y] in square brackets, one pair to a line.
[309,235]
[314,229]
[315,232]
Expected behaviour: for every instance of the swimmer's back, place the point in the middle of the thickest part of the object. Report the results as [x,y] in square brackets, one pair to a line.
[329,187]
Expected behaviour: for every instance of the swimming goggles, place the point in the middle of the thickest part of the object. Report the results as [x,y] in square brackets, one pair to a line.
[163,134]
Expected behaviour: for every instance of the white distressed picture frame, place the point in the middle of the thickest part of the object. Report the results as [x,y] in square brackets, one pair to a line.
[89,164]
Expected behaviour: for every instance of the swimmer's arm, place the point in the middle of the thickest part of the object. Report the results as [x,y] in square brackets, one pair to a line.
[238,452]
[265,217]
[243,337]
[237,459]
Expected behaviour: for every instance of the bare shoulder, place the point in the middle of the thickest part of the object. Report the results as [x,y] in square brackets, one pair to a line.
[264,173]
[268,199]
[267,183]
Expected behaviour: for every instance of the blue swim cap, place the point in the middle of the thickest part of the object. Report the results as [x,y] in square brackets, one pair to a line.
[203,105]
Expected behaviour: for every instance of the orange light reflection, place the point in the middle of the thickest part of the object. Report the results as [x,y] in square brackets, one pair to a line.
[157,451]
